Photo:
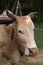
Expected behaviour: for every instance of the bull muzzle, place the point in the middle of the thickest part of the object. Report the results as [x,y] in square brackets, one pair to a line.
[33,51]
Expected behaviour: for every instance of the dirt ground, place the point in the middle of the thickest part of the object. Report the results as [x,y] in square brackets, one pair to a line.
[36,59]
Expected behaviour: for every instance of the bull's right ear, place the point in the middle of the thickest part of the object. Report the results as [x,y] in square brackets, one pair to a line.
[11,15]
[33,14]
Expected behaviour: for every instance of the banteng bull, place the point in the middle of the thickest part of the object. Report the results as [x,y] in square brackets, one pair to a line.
[18,38]
[25,32]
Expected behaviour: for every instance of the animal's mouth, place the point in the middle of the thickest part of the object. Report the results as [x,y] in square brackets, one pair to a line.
[33,51]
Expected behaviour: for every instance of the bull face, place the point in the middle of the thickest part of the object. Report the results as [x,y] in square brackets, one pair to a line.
[25,33]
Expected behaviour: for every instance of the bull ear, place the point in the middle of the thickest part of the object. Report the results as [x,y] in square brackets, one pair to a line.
[11,15]
[33,14]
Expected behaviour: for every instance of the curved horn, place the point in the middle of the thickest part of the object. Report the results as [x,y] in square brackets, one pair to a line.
[5,20]
[33,14]
[11,15]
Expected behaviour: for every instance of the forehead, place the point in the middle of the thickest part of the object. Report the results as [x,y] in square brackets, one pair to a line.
[23,19]
[24,22]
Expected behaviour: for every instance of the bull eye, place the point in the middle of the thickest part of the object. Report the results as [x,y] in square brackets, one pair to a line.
[20,31]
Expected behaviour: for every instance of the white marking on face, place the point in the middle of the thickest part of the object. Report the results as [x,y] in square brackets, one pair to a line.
[26,51]
[28,19]
[32,44]
[19,28]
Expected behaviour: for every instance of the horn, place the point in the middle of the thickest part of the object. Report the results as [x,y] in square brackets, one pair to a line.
[5,20]
[33,14]
[11,15]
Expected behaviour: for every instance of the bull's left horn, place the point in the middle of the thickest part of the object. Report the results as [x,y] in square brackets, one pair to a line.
[11,15]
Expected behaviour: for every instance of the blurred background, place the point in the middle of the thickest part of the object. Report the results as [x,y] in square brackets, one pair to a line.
[27,6]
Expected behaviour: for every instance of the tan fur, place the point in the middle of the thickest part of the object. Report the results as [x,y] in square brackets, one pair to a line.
[7,46]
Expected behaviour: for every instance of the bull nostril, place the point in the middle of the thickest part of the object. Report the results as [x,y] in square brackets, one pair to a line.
[33,51]
[30,51]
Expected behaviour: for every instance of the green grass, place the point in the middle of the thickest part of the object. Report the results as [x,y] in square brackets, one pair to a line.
[40,25]
[39,36]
